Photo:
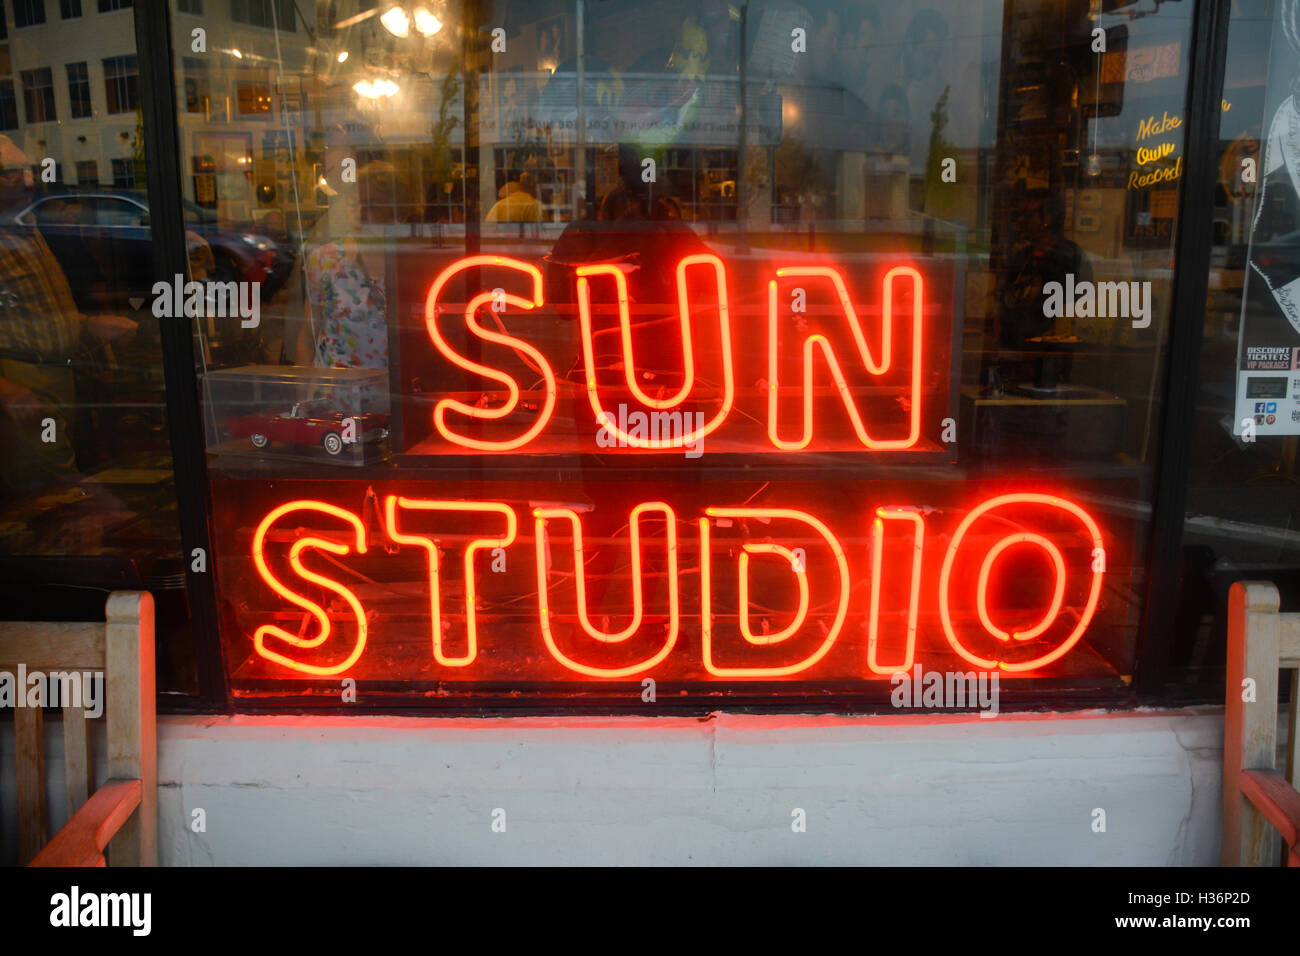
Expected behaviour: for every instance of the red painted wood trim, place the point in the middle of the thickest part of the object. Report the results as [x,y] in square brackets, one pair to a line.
[82,840]
[1276,799]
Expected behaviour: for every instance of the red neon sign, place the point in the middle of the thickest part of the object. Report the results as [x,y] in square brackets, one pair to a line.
[902,301]
[535,357]
[708,623]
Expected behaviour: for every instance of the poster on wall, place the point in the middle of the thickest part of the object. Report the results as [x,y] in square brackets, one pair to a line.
[1268,346]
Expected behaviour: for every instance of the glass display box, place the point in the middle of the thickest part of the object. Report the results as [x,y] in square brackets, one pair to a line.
[332,416]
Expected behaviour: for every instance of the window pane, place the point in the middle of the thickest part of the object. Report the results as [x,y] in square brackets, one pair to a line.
[38,95]
[87,498]
[79,90]
[122,84]
[28,13]
[797,294]
[8,105]
[1243,508]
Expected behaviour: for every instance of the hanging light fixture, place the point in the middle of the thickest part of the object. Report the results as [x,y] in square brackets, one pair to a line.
[426,23]
[373,90]
[396,21]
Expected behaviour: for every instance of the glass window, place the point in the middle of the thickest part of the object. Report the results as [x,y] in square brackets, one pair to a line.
[273,14]
[69,9]
[121,84]
[197,92]
[38,95]
[87,496]
[107,6]
[253,99]
[8,105]
[125,174]
[28,13]
[79,90]
[4,23]
[115,211]
[762,349]
[1243,498]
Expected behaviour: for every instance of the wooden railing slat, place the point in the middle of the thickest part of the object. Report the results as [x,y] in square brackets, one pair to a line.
[76,759]
[29,749]
[1288,641]
[64,645]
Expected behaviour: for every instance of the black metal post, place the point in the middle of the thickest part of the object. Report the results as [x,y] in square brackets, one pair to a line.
[184,417]
[1192,247]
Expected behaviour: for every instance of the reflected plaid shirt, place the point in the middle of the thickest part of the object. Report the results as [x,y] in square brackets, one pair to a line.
[39,321]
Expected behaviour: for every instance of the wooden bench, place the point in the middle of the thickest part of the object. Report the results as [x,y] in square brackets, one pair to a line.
[1259,802]
[123,814]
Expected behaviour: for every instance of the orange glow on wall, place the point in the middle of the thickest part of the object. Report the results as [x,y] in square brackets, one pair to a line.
[430,544]
[946,583]
[706,614]
[610,422]
[273,632]
[876,366]
[531,355]
[540,517]
[914,587]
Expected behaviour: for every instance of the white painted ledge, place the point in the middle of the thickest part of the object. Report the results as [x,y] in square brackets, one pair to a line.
[908,789]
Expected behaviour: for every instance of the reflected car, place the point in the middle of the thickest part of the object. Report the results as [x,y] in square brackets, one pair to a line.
[101,239]
[308,424]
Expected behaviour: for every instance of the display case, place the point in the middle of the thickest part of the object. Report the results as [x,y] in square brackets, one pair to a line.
[335,416]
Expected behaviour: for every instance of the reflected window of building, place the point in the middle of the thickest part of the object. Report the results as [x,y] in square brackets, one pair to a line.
[8,105]
[69,9]
[28,13]
[38,95]
[124,173]
[122,83]
[272,14]
[79,90]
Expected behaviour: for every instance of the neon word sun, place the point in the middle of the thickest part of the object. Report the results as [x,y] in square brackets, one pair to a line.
[900,284]
[977,631]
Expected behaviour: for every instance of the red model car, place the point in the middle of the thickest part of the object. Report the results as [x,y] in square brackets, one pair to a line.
[311,423]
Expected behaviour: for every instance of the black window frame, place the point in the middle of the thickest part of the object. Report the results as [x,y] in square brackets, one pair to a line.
[124,172]
[158,98]
[33,13]
[8,104]
[38,88]
[118,83]
[80,102]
